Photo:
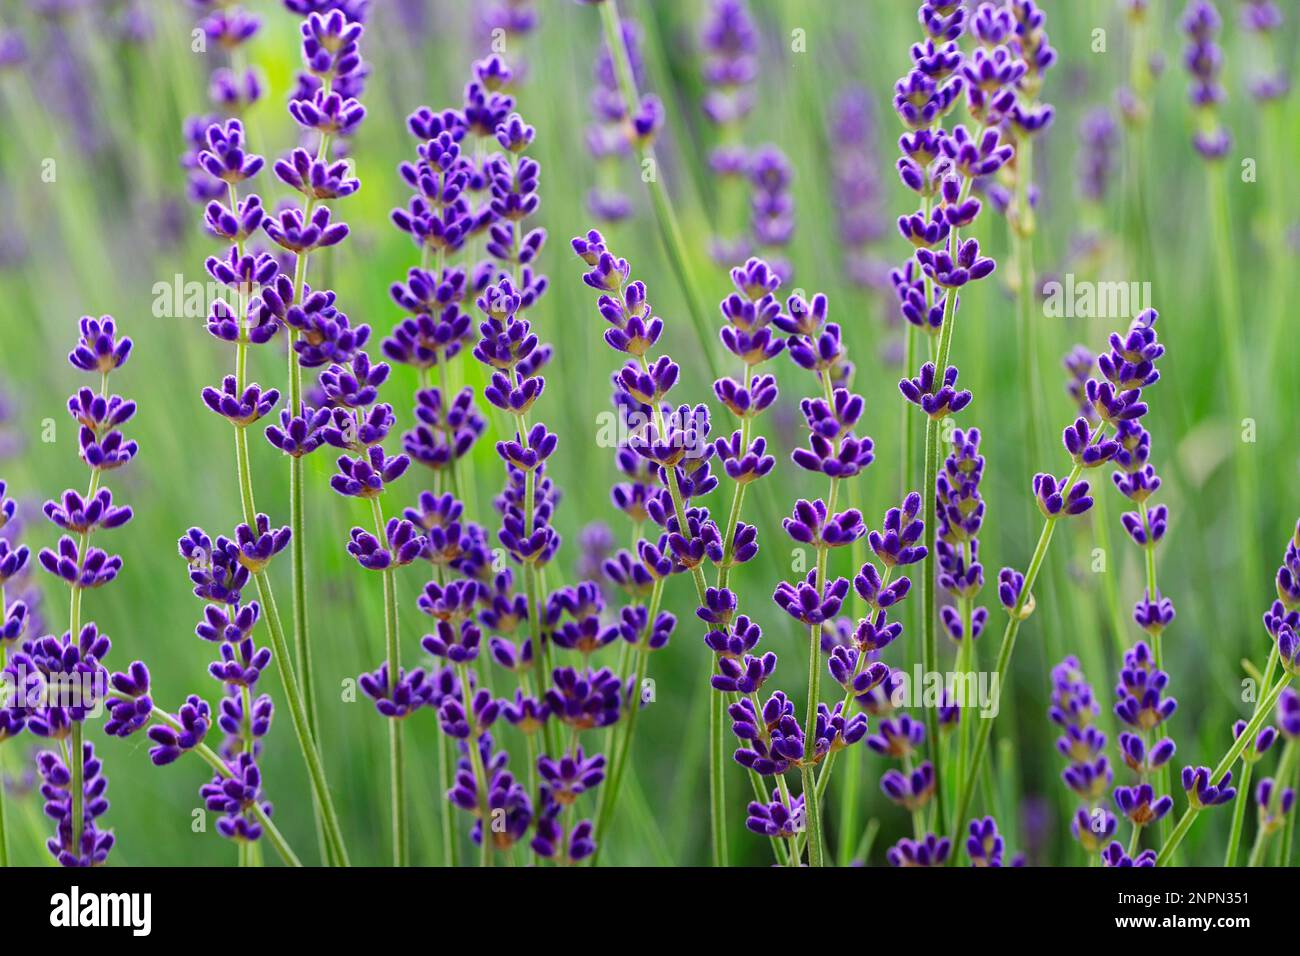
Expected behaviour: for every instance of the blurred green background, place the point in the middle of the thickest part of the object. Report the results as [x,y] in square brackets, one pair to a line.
[106,109]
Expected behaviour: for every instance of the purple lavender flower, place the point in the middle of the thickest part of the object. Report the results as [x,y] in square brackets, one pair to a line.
[1141,805]
[1201,793]
[1275,804]
[1141,700]
[76,842]
[931,851]
[1203,59]
[857,187]
[938,399]
[1114,855]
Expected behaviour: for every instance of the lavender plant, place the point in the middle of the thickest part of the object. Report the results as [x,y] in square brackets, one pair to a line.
[857,187]
[607,142]
[15,619]
[671,442]
[66,674]
[941,167]
[541,662]
[1116,398]
[333,79]
[1032,57]
[254,319]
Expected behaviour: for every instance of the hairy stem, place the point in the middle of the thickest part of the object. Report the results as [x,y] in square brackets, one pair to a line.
[298,716]
[395,755]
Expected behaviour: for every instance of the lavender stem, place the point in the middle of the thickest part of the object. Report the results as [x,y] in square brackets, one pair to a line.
[396,761]
[1239,815]
[298,715]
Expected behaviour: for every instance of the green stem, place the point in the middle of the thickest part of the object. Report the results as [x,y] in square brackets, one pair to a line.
[1135,842]
[395,756]
[1285,773]
[812,813]
[1004,660]
[863,850]
[906,427]
[1239,815]
[823,777]
[297,518]
[323,805]
[717,820]
[480,773]
[446,397]
[718,775]
[75,757]
[622,749]
[812,798]
[298,717]
[963,667]
[929,611]
[849,795]
[1149,554]
[1022,231]
[1101,528]
[447,774]
[1257,848]
[1288,829]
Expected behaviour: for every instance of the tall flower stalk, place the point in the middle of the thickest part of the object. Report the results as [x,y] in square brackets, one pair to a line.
[634,331]
[1116,398]
[331,57]
[254,320]
[729,44]
[1028,119]
[672,443]
[359,426]
[1137,481]
[941,167]
[70,669]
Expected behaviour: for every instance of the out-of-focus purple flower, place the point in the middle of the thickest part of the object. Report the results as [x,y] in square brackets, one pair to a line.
[1204,59]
